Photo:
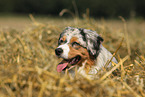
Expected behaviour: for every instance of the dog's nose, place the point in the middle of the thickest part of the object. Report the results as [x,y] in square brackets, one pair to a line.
[58,51]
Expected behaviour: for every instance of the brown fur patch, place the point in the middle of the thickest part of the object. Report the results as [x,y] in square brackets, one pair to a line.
[63,38]
[74,39]
[79,50]
[88,65]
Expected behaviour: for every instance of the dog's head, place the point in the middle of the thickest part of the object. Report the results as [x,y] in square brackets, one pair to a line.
[76,45]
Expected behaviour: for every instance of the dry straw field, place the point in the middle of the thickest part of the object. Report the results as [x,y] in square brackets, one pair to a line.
[28,62]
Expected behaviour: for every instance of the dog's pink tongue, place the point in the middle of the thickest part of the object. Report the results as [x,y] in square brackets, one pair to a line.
[60,67]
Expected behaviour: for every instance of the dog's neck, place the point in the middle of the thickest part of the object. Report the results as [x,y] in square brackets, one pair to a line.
[90,68]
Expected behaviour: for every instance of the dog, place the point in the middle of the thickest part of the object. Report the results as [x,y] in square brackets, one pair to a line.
[82,48]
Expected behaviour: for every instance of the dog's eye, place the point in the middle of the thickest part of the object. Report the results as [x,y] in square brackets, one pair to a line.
[60,41]
[75,44]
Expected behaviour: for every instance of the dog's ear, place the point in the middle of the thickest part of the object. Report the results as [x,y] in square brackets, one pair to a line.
[93,46]
[100,39]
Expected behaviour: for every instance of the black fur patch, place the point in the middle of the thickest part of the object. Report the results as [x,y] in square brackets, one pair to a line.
[60,38]
[100,39]
[96,47]
[83,34]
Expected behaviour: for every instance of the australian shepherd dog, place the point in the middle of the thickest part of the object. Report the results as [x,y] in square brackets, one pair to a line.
[83,49]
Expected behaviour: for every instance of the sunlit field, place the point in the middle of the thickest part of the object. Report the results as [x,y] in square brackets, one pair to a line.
[28,62]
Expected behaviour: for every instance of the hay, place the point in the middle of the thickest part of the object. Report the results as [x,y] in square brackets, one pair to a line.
[28,65]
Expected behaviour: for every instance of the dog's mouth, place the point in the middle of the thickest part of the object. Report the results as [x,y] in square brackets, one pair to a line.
[68,63]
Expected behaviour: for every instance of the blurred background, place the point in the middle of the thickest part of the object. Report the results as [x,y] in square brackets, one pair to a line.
[15,13]
[98,8]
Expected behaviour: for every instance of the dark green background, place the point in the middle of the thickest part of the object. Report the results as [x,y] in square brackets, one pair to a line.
[98,8]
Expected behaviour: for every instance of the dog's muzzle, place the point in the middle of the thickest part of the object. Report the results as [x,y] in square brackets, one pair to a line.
[58,51]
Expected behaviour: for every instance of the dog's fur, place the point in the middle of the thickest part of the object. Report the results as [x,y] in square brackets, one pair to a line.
[82,48]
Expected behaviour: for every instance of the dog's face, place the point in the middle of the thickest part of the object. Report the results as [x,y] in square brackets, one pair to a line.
[76,45]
